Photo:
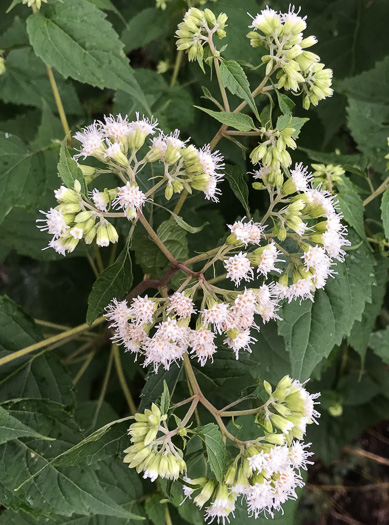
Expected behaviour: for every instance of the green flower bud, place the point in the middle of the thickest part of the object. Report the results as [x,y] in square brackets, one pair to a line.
[87,171]
[112,234]
[169,191]
[267,387]
[177,186]
[83,216]
[281,409]
[140,457]
[205,494]
[90,235]
[229,478]
[151,435]
[275,439]
[69,208]
[280,422]
[200,182]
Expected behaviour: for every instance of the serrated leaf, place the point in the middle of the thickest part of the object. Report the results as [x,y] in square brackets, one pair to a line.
[385,212]
[234,79]
[216,449]
[114,282]
[351,206]
[238,121]
[22,175]
[25,82]
[143,29]
[379,343]
[64,37]
[287,121]
[360,333]
[64,491]
[236,180]
[312,329]
[11,428]
[37,376]
[69,171]
[286,104]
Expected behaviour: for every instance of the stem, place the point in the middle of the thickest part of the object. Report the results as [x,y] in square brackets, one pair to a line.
[168,519]
[68,334]
[51,325]
[103,388]
[189,414]
[83,368]
[377,192]
[99,260]
[177,66]
[180,202]
[156,186]
[122,380]
[58,101]
[156,239]
[202,256]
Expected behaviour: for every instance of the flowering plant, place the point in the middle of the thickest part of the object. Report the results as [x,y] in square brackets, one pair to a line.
[215,329]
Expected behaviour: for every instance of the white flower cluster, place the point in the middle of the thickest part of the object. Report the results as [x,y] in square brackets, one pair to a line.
[299,70]
[266,475]
[115,142]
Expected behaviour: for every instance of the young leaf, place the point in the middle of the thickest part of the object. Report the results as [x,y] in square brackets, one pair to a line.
[238,121]
[286,104]
[385,212]
[234,79]
[287,121]
[165,398]
[69,171]
[216,449]
[114,282]
[22,175]
[64,37]
[239,186]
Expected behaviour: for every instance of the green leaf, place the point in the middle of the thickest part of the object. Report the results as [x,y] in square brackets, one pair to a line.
[360,333]
[64,37]
[114,282]
[30,376]
[155,384]
[187,227]
[312,329]
[12,428]
[379,343]
[69,171]
[56,490]
[22,175]
[385,212]
[287,121]
[351,206]
[285,103]
[234,79]
[216,449]
[25,82]
[238,121]
[143,28]
[236,180]
[165,399]
[155,510]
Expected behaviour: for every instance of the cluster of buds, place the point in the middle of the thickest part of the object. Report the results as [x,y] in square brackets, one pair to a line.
[267,472]
[299,70]
[196,30]
[115,143]
[154,456]
[327,176]
[272,153]
[290,408]
[71,221]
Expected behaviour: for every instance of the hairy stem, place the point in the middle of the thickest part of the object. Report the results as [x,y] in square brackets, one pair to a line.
[377,192]
[59,104]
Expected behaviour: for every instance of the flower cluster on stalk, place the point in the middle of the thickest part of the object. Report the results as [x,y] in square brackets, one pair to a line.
[119,144]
